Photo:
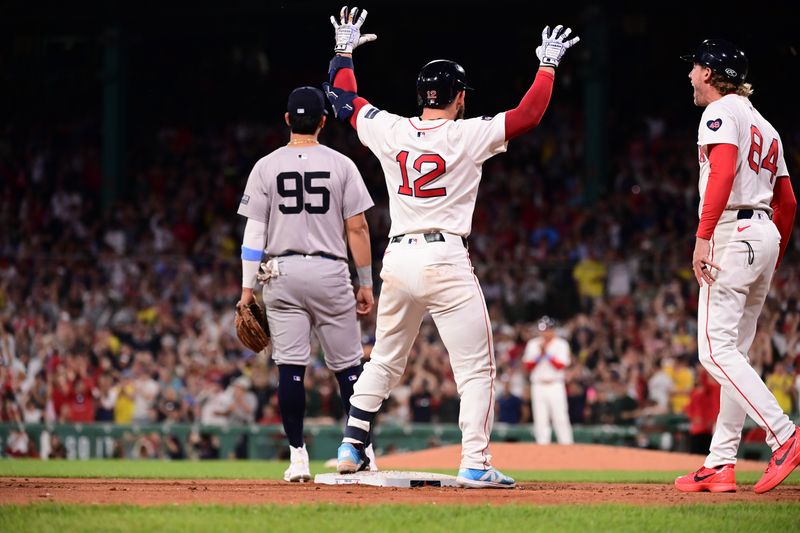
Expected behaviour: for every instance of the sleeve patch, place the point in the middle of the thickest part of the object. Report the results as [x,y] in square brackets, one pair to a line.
[245,199]
[715,124]
[372,112]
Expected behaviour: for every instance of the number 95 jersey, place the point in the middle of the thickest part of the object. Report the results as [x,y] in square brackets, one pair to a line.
[432,167]
[733,120]
[304,194]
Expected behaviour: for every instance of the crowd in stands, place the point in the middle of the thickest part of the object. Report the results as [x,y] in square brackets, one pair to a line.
[124,313]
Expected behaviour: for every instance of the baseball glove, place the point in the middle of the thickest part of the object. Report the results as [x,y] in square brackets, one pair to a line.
[251,325]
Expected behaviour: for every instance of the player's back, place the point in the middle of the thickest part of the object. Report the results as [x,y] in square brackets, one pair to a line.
[734,120]
[309,191]
[432,167]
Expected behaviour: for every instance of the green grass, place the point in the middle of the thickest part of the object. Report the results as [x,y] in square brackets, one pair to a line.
[274,470]
[320,518]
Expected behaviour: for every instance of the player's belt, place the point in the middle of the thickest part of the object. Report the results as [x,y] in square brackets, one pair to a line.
[314,254]
[435,236]
[748,213]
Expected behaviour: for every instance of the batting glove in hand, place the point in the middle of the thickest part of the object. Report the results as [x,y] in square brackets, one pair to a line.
[348,33]
[553,45]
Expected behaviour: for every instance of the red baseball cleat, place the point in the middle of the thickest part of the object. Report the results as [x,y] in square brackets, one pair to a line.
[717,479]
[781,464]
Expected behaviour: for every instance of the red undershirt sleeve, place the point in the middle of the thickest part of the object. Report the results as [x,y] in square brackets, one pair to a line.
[346,80]
[532,106]
[784,208]
[722,158]
[556,364]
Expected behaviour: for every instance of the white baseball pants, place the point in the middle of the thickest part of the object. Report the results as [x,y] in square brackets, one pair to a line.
[435,277]
[550,412]
[746,250]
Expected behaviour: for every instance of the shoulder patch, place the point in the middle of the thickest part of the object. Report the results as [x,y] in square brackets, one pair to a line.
[715,124]
[372,112]
[486,117]
[245,199]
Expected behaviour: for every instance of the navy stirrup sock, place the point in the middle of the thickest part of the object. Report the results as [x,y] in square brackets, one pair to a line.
[292,398]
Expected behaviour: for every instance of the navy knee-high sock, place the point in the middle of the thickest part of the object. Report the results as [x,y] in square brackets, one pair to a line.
[292,399]
[347,378]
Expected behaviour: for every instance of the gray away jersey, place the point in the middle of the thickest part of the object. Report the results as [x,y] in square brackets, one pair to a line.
[304,194]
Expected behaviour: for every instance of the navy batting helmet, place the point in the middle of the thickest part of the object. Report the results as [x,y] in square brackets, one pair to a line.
[439,82]
[722,57]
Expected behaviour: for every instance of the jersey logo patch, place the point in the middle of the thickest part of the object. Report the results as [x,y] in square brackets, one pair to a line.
[486,117]
[372,112]
[245,199]
[715,124]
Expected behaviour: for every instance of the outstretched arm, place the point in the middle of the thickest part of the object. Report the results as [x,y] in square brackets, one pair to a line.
[533,105]
[343,77]
[342,87]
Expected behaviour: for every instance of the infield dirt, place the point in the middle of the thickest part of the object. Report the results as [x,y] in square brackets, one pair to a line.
[21,490]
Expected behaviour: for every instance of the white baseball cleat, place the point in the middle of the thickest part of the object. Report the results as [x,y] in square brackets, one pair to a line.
[373,465]
[298,470]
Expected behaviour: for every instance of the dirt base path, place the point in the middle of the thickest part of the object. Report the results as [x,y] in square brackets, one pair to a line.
[518,456]
[235,492]
[525,456]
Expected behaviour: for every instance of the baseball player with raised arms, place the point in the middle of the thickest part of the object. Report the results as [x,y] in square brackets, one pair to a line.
[747,209]
[546,358]
[304,205]
[432,167]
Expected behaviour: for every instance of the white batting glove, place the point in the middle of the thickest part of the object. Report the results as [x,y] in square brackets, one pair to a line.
[348,33]
[553,45]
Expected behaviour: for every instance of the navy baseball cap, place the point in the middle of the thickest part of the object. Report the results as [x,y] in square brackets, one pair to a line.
[306,101]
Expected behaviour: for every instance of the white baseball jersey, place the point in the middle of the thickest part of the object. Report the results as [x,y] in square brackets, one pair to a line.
[304,195]
[557,349]
[733,120]
[432,167]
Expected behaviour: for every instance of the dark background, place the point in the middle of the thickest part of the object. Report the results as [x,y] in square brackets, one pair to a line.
[201,62]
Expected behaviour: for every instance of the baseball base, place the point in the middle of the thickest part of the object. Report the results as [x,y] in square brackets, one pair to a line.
[388,478]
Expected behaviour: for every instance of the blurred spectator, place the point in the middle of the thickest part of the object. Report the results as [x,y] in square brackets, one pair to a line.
[105,398]
[660,387]
[173,447]
[125,404]
[80,406]
[421,400]
[243,402]
[216,404]
[203,445]
[19,444]
[682,384]
[590,274]
[779,382]
[702,410]
[269,416]
[509,407]
[448,403]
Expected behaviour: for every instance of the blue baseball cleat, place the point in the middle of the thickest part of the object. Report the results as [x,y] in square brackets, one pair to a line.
[351,458]
[473,478]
